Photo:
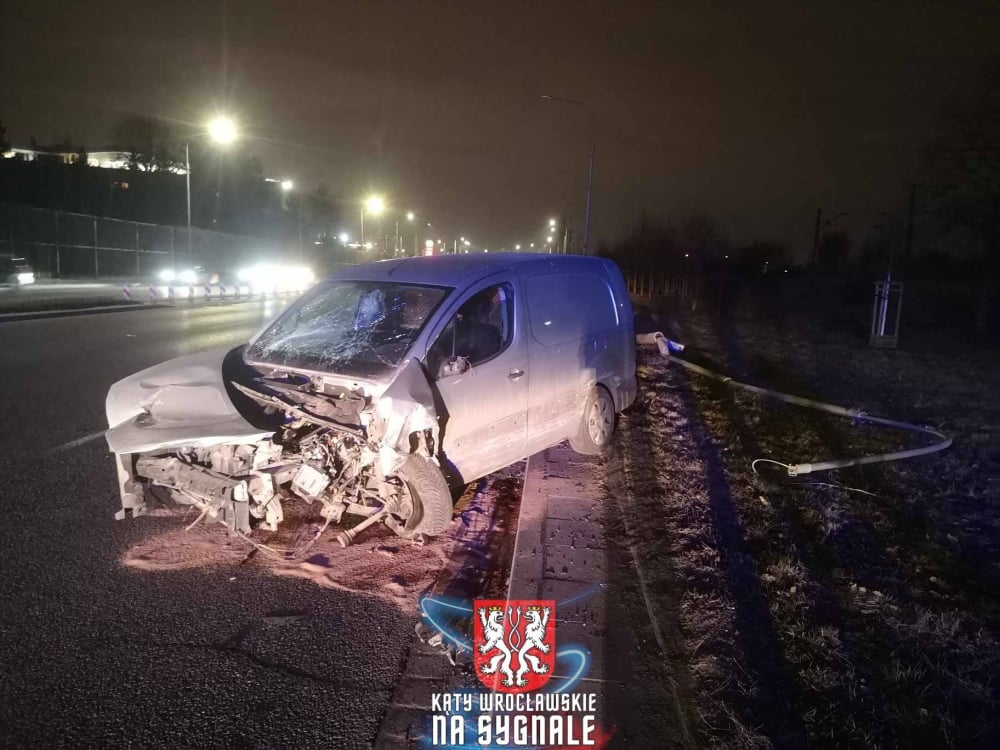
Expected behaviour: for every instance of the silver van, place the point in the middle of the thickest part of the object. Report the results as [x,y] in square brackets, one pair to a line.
[379,388]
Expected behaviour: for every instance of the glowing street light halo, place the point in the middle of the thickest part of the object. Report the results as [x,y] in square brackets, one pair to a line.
[374,204]
[287,186]
[222,130]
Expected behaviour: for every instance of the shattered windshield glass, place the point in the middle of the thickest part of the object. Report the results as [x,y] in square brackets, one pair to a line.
[357,328]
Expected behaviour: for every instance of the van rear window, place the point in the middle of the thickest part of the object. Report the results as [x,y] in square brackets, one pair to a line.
[567,306]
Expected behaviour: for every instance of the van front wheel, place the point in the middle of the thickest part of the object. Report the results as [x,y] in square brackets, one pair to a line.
[429,496]
[597,425]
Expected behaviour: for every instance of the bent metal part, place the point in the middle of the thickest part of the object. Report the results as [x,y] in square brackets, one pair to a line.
[339,448]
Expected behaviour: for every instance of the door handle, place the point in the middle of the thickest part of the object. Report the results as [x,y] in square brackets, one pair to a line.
[515,374]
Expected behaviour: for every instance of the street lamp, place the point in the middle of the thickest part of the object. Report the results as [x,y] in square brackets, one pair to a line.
[286,187]
[220,130]
[411,217]
[593,144]
[374,205]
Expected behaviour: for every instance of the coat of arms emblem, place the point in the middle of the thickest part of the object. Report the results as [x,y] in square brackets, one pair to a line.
[514,643]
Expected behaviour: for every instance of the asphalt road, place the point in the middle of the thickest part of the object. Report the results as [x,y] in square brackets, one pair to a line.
[92,654]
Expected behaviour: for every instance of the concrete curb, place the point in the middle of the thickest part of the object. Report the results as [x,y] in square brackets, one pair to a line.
[559,553]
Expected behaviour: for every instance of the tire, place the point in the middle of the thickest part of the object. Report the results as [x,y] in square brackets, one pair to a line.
[430,494]
[597,425]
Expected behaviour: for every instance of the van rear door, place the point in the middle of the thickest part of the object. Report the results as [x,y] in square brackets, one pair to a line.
[572,319]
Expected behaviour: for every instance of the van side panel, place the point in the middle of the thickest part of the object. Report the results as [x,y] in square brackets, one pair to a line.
[575,341]
[624,386]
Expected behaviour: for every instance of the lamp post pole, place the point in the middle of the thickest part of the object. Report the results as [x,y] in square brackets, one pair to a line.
[590,171]
[187,179]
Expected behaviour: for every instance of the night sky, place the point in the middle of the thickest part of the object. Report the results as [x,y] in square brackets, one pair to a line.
[752,113]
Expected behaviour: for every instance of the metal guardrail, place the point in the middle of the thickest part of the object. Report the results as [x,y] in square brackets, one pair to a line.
[60,244]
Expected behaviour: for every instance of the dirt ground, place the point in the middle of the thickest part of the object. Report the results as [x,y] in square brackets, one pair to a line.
[859,607]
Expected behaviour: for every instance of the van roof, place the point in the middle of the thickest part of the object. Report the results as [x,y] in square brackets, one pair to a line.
[459,270]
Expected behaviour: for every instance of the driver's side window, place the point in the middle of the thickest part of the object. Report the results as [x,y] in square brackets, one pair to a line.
[479,331]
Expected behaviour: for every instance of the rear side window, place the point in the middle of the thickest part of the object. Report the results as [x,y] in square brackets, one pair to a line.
[567,306]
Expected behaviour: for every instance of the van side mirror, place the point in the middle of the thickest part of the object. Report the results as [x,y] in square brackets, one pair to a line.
[453,366]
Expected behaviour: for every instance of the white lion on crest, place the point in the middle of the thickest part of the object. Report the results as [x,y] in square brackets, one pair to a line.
[534,637]
[495,637]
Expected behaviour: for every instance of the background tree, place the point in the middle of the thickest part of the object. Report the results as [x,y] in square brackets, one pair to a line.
[759,257]
[147,143]
[834,249]
[962,179]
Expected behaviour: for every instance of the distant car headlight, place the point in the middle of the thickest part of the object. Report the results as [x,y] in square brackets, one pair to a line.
[26,277]
[167,274]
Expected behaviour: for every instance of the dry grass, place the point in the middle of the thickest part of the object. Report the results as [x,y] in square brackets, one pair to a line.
[808,613]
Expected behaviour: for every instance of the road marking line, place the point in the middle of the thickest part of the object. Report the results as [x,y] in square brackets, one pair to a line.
[74,443]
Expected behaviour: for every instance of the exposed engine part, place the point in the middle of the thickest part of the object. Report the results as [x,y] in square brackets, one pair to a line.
[312,457]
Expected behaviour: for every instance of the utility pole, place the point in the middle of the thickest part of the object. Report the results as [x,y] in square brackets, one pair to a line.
[590,190]
[590,171]
[822,226]
[819,218]
[301,249]
[909,223]
[187,177]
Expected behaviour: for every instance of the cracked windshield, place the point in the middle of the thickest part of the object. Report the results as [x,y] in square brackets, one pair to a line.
[357,328]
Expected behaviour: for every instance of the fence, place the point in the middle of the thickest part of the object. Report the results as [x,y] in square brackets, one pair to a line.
[59,244]
[649,284]
[950,308]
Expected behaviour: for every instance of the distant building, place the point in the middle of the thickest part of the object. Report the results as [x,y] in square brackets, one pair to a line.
[106,157]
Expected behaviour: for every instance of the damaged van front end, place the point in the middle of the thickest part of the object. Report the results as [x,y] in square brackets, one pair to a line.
[239,434]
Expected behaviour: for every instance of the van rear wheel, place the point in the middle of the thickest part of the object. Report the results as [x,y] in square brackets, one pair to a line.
[597,425]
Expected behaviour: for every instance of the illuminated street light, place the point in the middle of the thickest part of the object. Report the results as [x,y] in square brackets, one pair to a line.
[410,216]
[549,238]
[532,244]
[517,247]
[552,222]
[222,130]
[344,238]
[286,186]
[374,205]
[466,242]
